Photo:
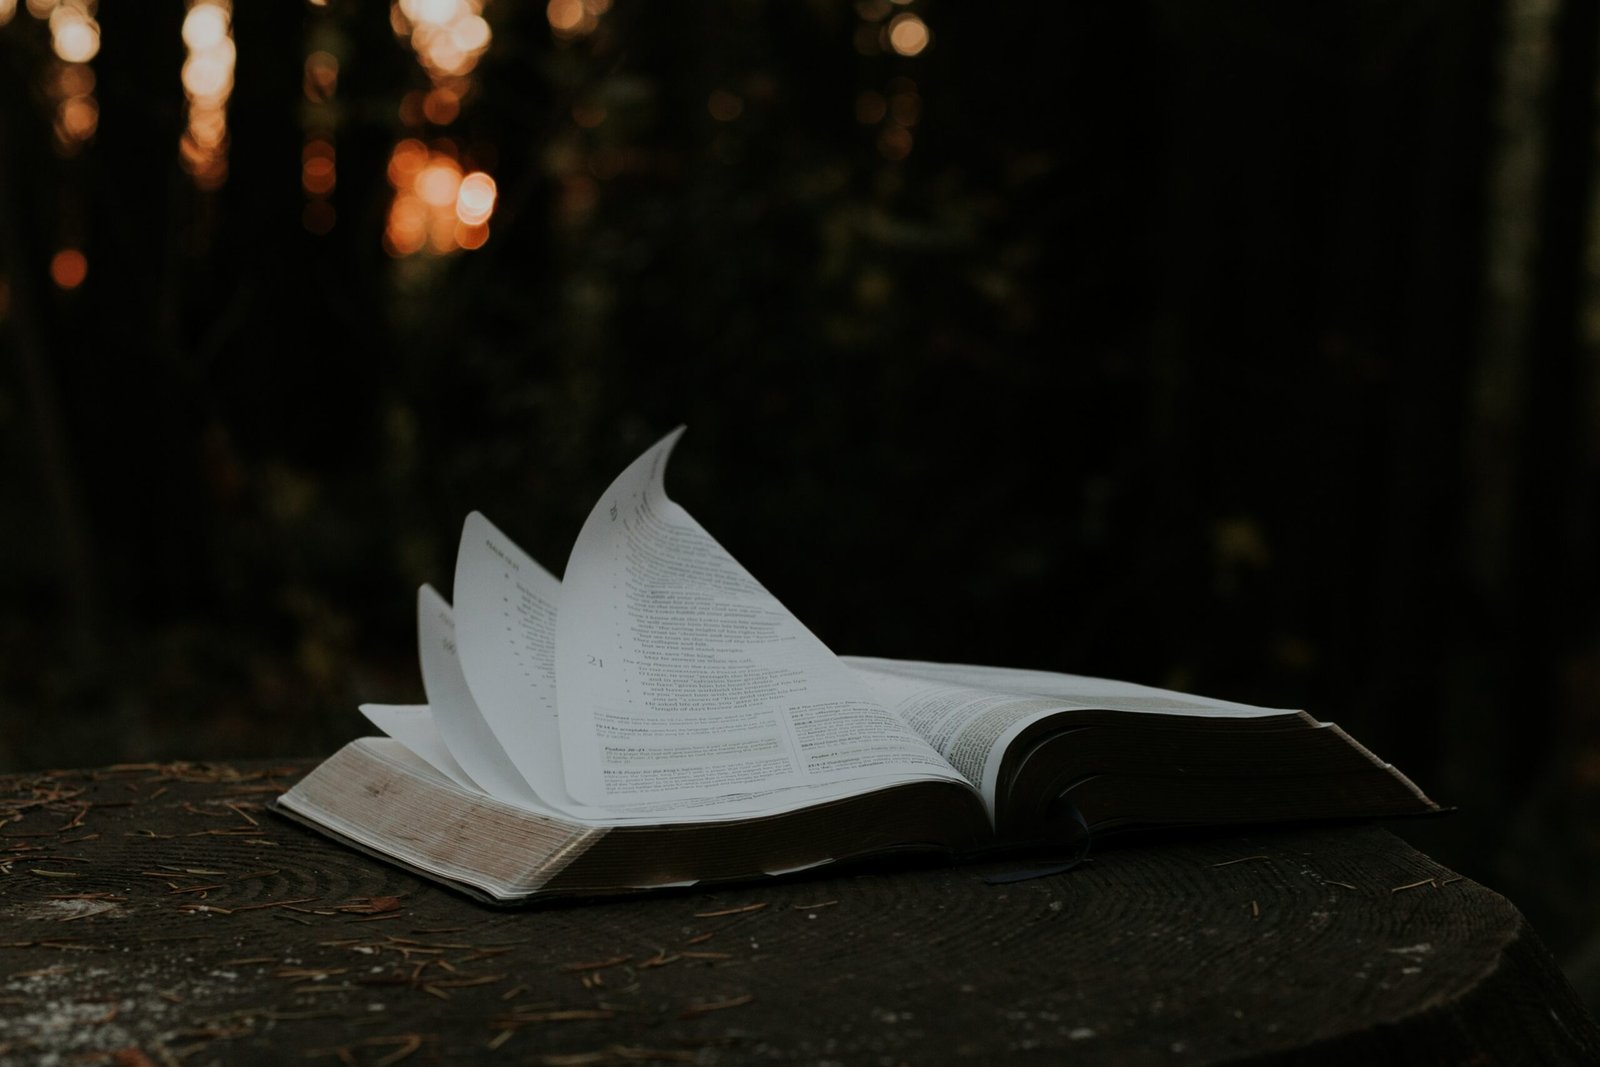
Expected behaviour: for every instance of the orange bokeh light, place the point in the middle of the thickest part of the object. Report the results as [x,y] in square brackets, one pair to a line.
[74,79]
[317,176]
[208,127]
[321,80]
[908,34]
[436,207]
[439,182]
[575,18]
[68,268]
[406,162]
[475,199]
[470,33]
[207,77]
[566,16]
[448,35]
[442,234]
[441,106]
[205,26]
[71,87]
[74,36]
[79,115]
[407,230]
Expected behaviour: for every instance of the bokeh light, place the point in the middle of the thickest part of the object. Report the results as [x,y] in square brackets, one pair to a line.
[317,173]
[207,83]
[908,34]
[204,27]
[68,268]
[79,116]
[449,36]
[71,89]
[74,35]
[319,84]
[406,162]
[441,106]
[475,199]
[570,19]
[439,181]
[437,207]
[75,40]
[321,80]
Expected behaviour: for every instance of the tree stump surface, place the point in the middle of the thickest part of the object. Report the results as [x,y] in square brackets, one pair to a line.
[158,914]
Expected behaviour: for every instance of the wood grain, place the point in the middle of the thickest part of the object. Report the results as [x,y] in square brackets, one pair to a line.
[156,914]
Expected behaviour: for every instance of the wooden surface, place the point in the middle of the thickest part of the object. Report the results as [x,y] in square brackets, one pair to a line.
[157,914]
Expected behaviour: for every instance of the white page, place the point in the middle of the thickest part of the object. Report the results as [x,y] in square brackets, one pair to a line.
[412,725]
[680,676]
[460,723]
[505,618]
[463,731]
[971,714]
[469,737]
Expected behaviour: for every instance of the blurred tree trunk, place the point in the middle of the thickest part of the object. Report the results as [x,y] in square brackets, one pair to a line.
[1519,731]
[1528,476]
[21,259]
[1473,763]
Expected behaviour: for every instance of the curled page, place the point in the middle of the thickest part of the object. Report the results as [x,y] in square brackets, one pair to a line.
[456,716]
[505,620]
[412,725]
[679,676]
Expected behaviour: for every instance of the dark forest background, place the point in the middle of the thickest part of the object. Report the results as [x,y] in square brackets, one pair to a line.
[1246,347]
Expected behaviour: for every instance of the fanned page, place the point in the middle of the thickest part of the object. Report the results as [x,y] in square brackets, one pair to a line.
[679,677]
[505,640]
[469,741]
[971,714]
[460,724]
[412,725]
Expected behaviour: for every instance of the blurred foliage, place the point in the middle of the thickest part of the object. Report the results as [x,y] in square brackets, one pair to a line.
[1133,339]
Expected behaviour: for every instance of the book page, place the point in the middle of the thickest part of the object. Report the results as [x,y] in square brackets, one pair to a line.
[467,738]
[505,626]
[971,714]
[456,715]
[412,725]
[680,676]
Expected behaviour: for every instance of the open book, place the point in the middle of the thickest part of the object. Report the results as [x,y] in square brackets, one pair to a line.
[659,718]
